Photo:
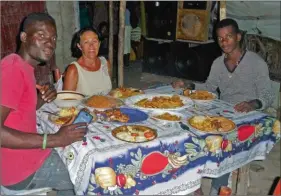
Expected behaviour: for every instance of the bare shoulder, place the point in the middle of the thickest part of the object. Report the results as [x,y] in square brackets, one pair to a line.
[71,68]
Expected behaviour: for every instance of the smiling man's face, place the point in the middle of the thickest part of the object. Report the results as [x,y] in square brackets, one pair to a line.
[39,40]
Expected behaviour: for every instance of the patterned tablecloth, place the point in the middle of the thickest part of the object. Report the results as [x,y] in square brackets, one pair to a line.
[174,163]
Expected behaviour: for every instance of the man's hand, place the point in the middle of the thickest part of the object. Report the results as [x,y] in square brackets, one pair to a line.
[48,94]
[69,134]
[244,107]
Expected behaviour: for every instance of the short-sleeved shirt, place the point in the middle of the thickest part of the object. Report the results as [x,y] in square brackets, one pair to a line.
[18,92]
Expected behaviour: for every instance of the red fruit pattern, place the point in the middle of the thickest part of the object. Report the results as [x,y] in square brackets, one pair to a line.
[121,180]
[154,163]
[224,144]
[244,132]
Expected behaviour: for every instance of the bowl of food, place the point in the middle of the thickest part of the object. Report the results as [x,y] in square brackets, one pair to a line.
[67,99]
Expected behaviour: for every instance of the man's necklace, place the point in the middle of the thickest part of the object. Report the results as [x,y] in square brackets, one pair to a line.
[237,64]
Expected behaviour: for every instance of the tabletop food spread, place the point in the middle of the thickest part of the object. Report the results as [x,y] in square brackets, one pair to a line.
[199,95]
[158,141]
[122,92]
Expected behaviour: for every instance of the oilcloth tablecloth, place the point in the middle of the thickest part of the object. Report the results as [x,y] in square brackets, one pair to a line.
[173,163]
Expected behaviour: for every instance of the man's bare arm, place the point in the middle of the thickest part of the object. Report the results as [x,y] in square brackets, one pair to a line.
[15,139]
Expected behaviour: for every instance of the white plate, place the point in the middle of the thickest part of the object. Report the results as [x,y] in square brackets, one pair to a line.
[134,99]
[200,100]
[156,113]
[199,132]
[119,103]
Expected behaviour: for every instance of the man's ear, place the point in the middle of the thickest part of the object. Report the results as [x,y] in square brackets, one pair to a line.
[78,45]
[239,37]
[23,37]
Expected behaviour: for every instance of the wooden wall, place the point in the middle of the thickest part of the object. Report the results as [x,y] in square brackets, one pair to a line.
[12,14]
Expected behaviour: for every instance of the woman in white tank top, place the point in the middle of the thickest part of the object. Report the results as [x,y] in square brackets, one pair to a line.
[90,74]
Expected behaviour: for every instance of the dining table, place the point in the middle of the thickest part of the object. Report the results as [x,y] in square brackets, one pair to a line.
[174,162]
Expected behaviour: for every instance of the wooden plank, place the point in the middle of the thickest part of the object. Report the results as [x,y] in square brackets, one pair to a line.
[180,4]
[222,10]
[279,104]
[234,178]
[143,19]
[110,41]
[243,180]
[121,35]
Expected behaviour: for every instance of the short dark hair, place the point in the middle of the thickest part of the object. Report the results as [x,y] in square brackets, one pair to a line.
[101,25]
[228,22]
[75,51]
[35,17]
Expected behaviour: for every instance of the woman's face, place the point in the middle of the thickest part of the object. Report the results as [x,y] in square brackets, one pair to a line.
[89,44]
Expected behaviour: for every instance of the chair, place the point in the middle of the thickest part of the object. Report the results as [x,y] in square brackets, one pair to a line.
[275,107]
[39,191]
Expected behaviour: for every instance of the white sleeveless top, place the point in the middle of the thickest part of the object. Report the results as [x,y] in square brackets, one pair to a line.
[93,82]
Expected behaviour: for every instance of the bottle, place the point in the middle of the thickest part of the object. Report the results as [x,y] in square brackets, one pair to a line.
[225,191]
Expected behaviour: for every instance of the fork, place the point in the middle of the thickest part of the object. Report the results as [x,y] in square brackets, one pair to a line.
[52,113]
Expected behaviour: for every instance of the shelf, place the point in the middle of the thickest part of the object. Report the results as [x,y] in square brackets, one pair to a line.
[180,40]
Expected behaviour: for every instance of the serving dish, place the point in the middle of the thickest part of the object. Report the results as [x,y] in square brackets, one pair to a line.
[159,102]
[134,133]
[211,124]
[67,99]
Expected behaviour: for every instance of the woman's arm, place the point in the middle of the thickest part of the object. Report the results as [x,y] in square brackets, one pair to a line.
[109,67]
[70,78]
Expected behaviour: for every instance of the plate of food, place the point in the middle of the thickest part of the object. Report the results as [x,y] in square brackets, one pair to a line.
[199,95]
[154,102]
[167,116]
[65,115]
[211,124]
[123,93]
[124,115]
[101,102]
[134,133]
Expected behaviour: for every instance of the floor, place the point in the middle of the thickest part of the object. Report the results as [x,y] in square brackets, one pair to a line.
[262,173]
